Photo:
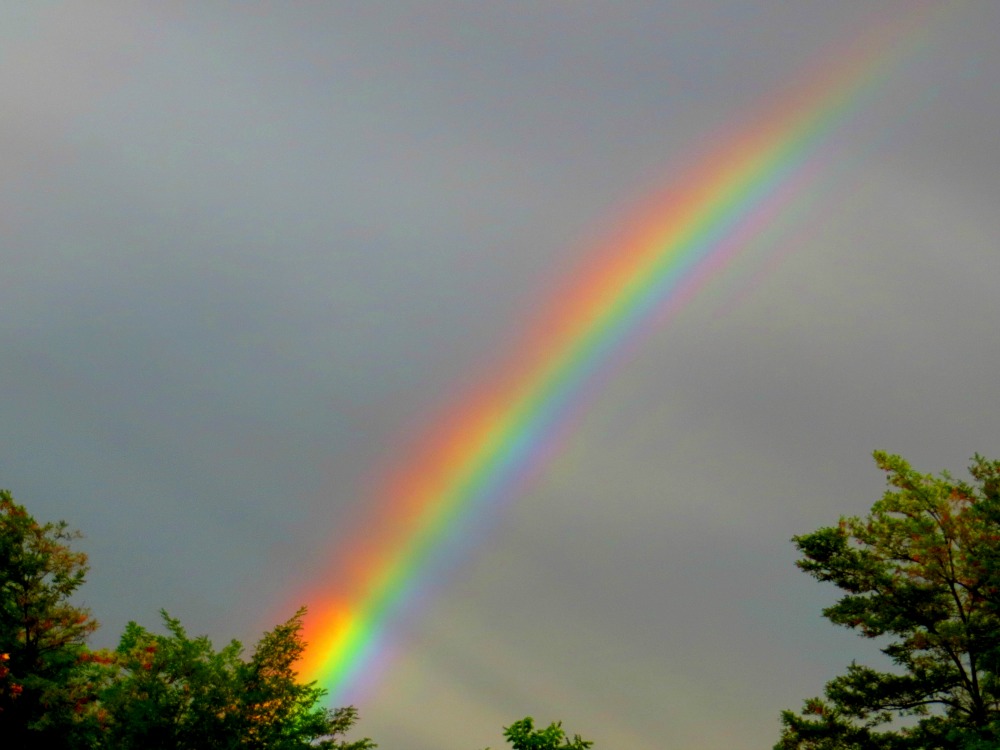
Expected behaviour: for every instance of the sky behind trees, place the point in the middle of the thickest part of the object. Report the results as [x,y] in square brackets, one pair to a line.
[249,254]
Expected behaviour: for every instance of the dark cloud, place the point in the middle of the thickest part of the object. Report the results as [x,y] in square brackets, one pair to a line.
[249,253]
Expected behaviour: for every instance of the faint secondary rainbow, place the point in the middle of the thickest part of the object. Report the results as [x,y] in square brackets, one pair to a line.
[475,456]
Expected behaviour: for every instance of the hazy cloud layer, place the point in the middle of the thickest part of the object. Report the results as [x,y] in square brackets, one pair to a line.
[248,252]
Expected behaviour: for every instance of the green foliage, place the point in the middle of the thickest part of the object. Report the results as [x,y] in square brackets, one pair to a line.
[170,691]
[165,691]
[42,634]
[174,692]
[522,735]
[276,711]
[155,691]
[920,571]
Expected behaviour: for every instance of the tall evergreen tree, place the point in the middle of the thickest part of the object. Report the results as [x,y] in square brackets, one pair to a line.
[920,573]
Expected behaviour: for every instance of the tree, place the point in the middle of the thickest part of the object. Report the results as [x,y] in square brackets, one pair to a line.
[169,691]
[522,735]
[277,712]
[154,692]
[921,571]
[42,633]
[173,692]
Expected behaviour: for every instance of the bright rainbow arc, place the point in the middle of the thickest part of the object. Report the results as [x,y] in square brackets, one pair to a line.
[492,442]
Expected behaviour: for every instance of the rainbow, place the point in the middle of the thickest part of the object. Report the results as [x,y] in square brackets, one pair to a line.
[483,450]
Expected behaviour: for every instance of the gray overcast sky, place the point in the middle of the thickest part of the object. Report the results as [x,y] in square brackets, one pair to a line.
[247,249]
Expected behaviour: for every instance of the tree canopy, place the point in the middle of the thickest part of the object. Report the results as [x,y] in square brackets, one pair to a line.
[155,691]
[173,691]
[921,573]
[42,634]
[522,735]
